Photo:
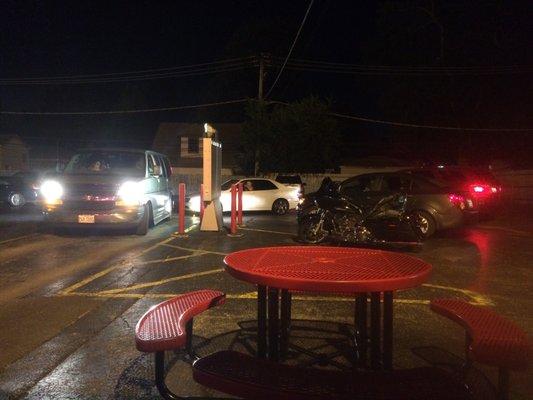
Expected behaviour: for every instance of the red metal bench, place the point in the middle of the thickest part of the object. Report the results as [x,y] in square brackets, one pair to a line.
[247,377]
[168,326]
[490,338]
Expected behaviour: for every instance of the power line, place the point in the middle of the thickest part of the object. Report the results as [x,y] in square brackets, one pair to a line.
[292,47]
[406,72]
[386,67]
[447,128]
[132,78]
[138,111]
[320,66]
[412,125]
[136,72]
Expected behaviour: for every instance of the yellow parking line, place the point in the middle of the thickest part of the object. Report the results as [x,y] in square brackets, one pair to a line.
[477,297]
[118,295]
[253,295]
[18,238]
[192,249]
[267,231]
[93,277]
[191,228]
[162,281]
[165,260]
[244,296]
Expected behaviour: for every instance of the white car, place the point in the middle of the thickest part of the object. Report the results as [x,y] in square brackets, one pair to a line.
[259,194]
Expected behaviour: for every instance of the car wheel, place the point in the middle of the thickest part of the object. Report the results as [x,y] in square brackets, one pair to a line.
[280,207]
[424,224]
[309,231]
[146,221]
[16,200]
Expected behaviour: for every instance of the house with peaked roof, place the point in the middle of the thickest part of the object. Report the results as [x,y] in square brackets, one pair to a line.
[182,143]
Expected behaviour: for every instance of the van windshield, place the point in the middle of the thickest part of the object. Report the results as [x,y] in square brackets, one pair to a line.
[107,163]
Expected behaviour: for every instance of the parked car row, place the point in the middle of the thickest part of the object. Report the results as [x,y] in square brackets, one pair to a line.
[119,187]
[435,198]
[429,202]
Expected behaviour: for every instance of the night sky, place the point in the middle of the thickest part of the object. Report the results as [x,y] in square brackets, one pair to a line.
[49,39]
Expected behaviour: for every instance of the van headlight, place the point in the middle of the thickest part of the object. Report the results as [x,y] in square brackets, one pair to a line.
[52,192]
[130,193]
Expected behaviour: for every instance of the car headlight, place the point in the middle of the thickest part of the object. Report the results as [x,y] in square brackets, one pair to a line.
[52,192]
[296,194]
[194,204]
[130,193]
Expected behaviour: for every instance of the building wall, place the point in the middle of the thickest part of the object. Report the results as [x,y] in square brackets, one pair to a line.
[13,156]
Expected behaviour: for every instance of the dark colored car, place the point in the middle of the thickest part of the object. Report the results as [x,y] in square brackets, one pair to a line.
[431,202]
[16,191]
[480,188]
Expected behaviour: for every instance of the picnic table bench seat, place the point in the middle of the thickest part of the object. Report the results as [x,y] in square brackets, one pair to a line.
[490,338]
[164,326]
[248,377]
[168,326]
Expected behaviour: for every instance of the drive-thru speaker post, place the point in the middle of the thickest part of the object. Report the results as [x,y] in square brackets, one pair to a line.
[212,166]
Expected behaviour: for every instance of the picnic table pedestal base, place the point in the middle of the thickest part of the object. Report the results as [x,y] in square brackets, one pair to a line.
[274,316]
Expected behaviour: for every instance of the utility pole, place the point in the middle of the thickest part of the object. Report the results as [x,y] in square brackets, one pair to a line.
[260,99]
[261,76]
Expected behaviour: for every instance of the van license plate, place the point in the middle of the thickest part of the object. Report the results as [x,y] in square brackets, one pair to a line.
[86,219]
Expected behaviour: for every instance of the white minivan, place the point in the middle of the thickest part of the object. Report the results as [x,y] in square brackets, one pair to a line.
[108,187]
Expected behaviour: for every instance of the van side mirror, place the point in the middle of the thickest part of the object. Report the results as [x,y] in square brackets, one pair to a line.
[157,170]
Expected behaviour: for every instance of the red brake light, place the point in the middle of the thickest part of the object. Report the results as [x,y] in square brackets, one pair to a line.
[480,189]
[494,189]
[457,200]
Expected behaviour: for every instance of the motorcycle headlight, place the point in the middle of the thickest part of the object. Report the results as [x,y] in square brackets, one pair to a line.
[130,193]
[52,191]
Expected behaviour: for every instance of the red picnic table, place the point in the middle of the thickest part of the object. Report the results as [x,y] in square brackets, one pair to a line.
[361,273]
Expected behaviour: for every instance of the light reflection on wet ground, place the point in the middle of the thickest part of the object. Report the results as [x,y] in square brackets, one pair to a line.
[91,336]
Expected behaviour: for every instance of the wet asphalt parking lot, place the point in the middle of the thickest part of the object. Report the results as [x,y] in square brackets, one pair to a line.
[69,302]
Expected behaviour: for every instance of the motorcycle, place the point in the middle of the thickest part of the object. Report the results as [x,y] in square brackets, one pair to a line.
[328,216]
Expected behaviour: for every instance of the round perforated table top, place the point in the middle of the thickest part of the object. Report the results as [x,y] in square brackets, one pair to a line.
[327,269]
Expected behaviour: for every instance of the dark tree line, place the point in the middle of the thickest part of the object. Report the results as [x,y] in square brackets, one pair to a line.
[296,137]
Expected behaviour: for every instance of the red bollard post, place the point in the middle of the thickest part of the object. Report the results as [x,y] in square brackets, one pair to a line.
[233,229]
[239,214]
[181,209]
[202,206]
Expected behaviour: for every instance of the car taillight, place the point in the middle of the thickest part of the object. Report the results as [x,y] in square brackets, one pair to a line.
[457,200]
[479,189]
